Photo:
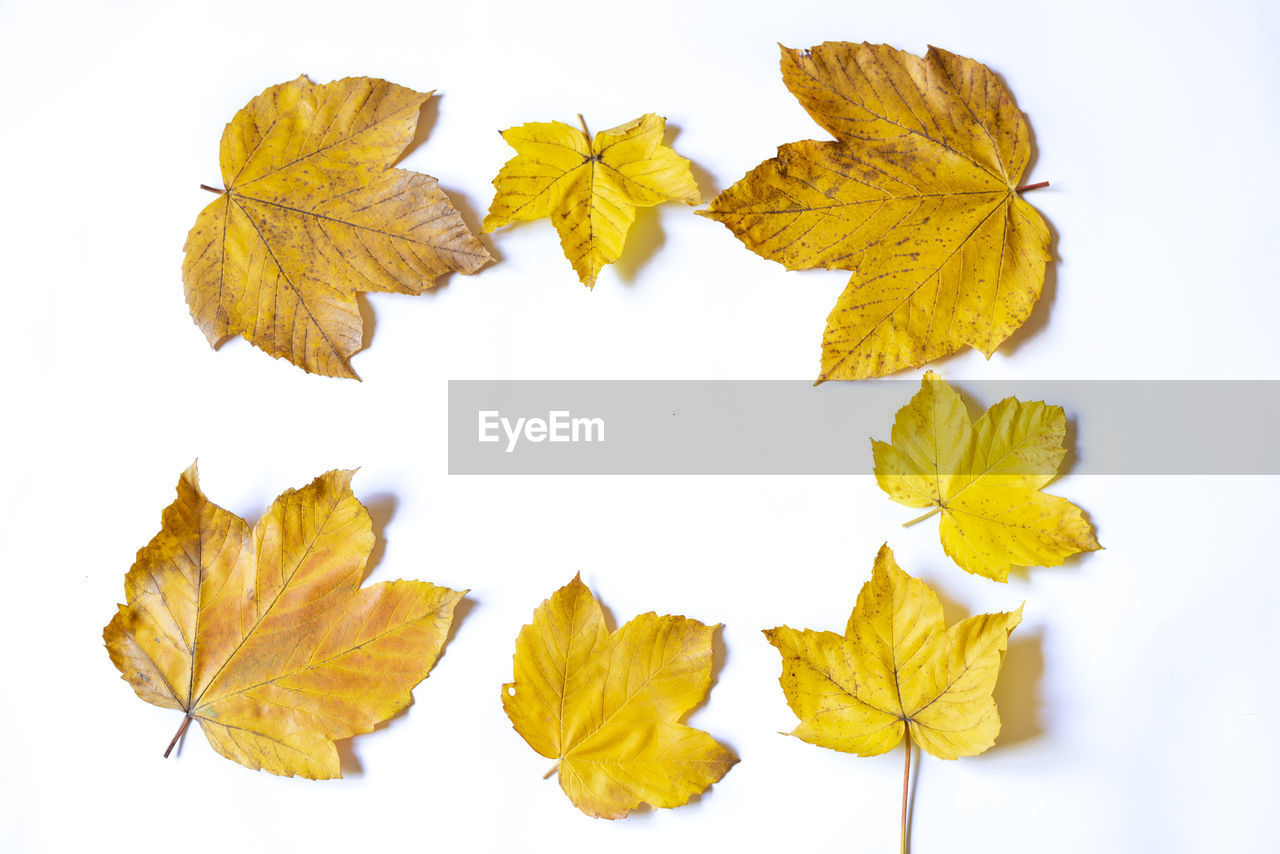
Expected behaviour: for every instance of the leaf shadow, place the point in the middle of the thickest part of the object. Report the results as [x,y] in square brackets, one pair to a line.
[646,237]
[348,762]
[428,114]
[460,613]
[181,742]
[1017,692]
[381,507]
[971,403]
[610,623]
[708,186]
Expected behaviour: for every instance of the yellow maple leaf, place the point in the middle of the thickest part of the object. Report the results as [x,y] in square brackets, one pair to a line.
[984,479]
[607,707]
[896,673]
[265,637]
[918,195]
[313,213]
[590,188]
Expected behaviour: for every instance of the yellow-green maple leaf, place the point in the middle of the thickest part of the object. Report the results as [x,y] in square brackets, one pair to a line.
[590,188]
[984,478]
[607,707]
[917,194]
[896,669]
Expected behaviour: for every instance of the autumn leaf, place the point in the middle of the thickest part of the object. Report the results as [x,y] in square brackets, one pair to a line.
[918,194]
[896,673]
[313,213]
[590,188]
[265,637]
[607,707]
[984,479]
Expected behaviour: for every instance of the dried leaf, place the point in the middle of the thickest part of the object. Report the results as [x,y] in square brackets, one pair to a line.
[607,707]
[918,195]
[984,478]
[896,671]
[265,637]
[896,667]
[312,214]
[589,188]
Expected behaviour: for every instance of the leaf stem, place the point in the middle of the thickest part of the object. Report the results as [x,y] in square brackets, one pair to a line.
[906,775]
[186,722]
[585,132]
[922,518]
[1026,187]
[554,769]
[212,189]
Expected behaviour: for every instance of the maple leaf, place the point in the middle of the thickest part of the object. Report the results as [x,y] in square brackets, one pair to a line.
[265,637]
[590,188]
[313,213]
[918,195]
[896,673]
[607,707]
[984,479]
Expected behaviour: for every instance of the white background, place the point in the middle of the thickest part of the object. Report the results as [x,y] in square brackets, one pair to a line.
[1140,694]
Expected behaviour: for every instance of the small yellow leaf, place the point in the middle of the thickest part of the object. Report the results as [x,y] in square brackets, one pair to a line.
[896,668]
[312,214]
[917,195]
[985,479]
[607,707]
[265,636]
[589,188]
